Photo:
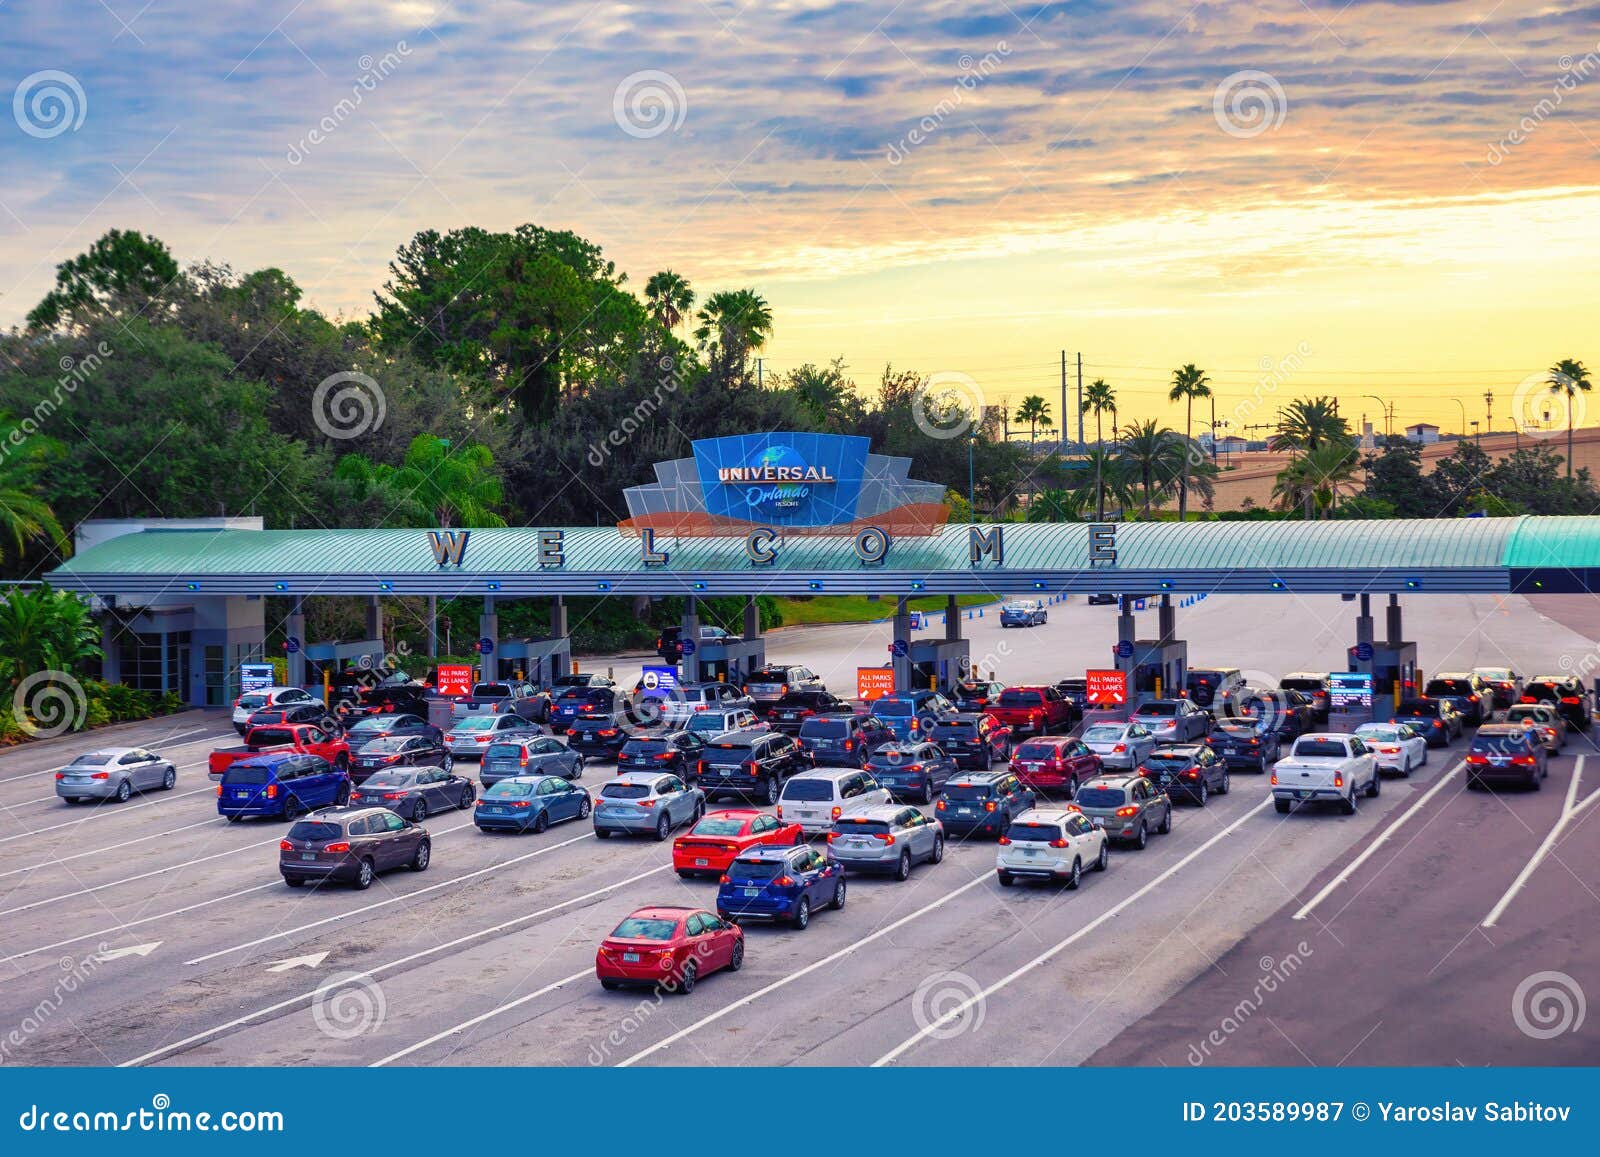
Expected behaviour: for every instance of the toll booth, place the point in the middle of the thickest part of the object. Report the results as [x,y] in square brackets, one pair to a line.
[539,660]
[332,658]
[1157,666]
[728,659]
[1389,663]
[938,663]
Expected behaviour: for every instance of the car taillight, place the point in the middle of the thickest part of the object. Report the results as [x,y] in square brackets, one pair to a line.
[1528,699]
[699,706]
[1118,749]
[522,803]
[571,731]
[1071,807]
[1569,700]
[1005,841]
[394,795]
[837,812]
[1524,760]
[1475,760]
[1191,774]
[849,745]
[939,807]
[1058,843]
[778,813]
[722,879]
[101,775]
[886,837]
[285,846]
[665,757]
[752,767]
[61,775]
[1338,781]
[647,803]
[989,805]
[784,882]
[1274,779]
[272,791]
[483,739]
[341,846]
[219,789]
[915,725]
[1127,811]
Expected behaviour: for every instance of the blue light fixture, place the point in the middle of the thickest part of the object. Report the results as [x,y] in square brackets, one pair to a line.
[816,586]
[493,585]
[918,585]
[386,586]
[699,586]
[280,586]
[602,586]
[192,586]
[1413,584]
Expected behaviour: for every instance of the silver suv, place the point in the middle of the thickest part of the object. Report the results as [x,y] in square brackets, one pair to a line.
[886,839]
[687,700]
[815,799]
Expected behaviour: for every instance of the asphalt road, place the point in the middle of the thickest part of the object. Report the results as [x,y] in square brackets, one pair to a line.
[155,933]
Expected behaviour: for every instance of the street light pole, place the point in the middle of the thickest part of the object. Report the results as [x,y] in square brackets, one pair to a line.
[1386,410]
[972,490]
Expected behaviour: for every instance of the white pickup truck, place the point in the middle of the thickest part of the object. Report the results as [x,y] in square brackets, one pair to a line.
[1325,766]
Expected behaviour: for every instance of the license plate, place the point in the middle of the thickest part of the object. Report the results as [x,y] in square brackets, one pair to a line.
[497,810]
[308,855]
[630,958]
[1098,823]
[241,795]
[966,811]
[1030,852]
[752,891]
[702,863]
[1308,795]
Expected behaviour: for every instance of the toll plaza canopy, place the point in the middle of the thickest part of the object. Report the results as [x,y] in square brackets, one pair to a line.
[758,555]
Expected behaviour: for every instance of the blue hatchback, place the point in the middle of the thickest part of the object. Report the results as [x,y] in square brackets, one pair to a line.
[785,884]
[911,714]
[530,803]
[282,786]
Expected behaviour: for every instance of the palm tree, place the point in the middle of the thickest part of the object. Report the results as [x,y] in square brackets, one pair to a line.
[1315,479]
[434,486]
[1307,424]
[733,324]
[1188,382]
[24,514]
[1097,399]
[669,298]
[1569,378]
[1157,457]
[1054,505]
[44,630]
[1035,411]
[1116,480]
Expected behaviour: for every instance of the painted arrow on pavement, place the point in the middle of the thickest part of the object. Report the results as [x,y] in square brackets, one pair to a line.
[131,950]
[311,960]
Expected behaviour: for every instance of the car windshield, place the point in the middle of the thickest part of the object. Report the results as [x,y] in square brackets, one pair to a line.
[392,779]
[1448,687]
[252,702]
[1537,714]
[625,790]
[972,690]
[1320,748]
[713,721]
[313,830]
[893,708]
[770,675]
[509,789]
[491,691]
[892,756]
[1101,797]
[372,723]
[1204,679]
[753,871]
[1101,734]
[729,749]
[644,747]
[94,759]
[957,730]
[1417,710]
[1381,734]
[1011,698]
[1238,727]
[718,826]
[1502,674]
[1501,744]
[477,722]
[246,775]
[386,744]
[645,928]
[1050,750]
[1034,833]
[808,790]
[968,791]
[1300,684]
[1169,757]
[856,827]
[824,729]
[504,751]
[1159,709]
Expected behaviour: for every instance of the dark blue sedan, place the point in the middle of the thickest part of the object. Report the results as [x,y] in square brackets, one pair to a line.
[530,803]
[786,884]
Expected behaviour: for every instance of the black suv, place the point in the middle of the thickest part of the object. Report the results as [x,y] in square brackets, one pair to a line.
[976,694]
[1314,687]
[1187,769]
[983,804]
[973,741]
[1567,695]
[843,740]
[579,701]
[679,752]
[669,644]
[751,764]
[596,735]
[789,714]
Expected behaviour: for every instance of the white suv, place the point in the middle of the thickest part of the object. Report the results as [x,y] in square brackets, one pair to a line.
[1051,844]
[720,722]
[251,702]
[814,799]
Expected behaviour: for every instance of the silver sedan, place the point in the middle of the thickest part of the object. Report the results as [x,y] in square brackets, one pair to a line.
[1119,745]
[114,773]
[646,801]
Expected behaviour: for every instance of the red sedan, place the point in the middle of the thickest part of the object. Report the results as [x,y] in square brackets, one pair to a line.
[669,948]
[711,845]
[1055,763]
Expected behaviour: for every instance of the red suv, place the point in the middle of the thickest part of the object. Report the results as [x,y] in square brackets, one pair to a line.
[1057,762]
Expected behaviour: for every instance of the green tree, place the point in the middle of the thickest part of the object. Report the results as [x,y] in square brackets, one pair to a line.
[1054,505]
[1157,457]
[1035,411]
[669,298]
[734,324]
[44,630]
[1315,480]
[1569,378]
[1309,423]
[121,273]
[25,513]
[1188,383]
[1530,480]
[1116,481]
[1098,399]
[1395,476]
[1461,477]
[828,396]
[437,485]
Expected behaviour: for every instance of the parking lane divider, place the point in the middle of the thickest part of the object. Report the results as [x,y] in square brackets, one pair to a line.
[1060,946]
[483,1016]
[119,810]
[1569,811]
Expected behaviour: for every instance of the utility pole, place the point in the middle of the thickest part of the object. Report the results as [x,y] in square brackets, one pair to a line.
[760,376]
[1213,429]
[1488,411]
[1080,400]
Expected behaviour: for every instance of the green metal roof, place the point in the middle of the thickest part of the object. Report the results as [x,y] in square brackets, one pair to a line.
[1436,555]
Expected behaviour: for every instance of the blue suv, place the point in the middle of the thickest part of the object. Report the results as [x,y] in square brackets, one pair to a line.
[910,715]
[282,786]
[785,884]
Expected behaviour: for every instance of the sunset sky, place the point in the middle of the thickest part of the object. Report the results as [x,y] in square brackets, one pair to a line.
[966,186]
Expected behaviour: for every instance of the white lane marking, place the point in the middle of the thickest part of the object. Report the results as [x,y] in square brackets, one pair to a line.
[1378,841]
[115,928]
[782,981]
[1569,811]
[148,746]
[100,813]
[423,954]
[1062,945]
[171,868]
[309,960]
[214,820]
[451,883]
[132,950]
[587,973]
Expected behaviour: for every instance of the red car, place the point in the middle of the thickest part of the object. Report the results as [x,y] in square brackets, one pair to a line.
[1057,762]
[1032,711]
[670,948]
[710,846]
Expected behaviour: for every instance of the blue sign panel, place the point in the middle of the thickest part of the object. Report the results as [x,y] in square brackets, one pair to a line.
[486,645]
[1350,691]
[292,644]
[255,677]
[1125,649]
[897,648]
[689,646]
[788,479]
[1363,652]
[659,681]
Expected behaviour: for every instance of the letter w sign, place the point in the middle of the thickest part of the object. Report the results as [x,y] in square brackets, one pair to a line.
[448,545]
